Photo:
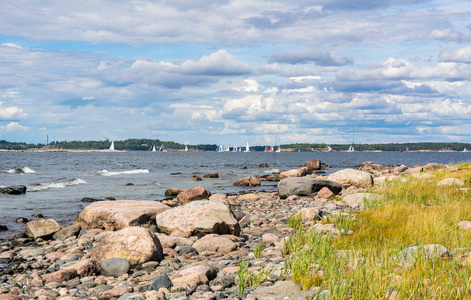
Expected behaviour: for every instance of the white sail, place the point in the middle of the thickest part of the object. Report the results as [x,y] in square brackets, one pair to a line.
[186,148]
[351,149]
[465,150]
[112,146]
[161,147]
[153,148]
[247,148]
[278,149]
[227,149]
[328,149]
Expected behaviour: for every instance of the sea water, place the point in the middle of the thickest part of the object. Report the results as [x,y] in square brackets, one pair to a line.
[57,181]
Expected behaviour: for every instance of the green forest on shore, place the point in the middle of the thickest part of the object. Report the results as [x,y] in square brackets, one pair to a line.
[146,145]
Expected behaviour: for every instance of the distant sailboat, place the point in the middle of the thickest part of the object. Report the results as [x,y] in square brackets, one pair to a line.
[278,149]
[247,149]
[186,148]
[161,148]
[350,149]
[227,149]
[268,149]
[465,150]
[112,146]
[328,149]
[153,149]
[407,149]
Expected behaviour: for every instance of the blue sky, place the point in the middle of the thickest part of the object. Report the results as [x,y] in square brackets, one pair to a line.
[231,71]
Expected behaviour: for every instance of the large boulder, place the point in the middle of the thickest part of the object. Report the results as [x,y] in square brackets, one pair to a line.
[116,215]
[199,218]
[41,228]
[196,193]
[14,190]
[305,186]
[350,177]
[136,244]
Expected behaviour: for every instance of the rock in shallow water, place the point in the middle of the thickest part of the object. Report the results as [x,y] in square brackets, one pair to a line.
[305,186]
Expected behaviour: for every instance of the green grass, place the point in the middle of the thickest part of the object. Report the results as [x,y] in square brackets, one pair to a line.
[247,277]
[412,212]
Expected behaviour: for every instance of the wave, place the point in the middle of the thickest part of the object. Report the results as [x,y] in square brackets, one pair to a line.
[111,173]
[60,184]
[24,170]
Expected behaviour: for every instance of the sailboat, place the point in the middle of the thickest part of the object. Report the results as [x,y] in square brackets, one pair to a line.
[328,149]
[247,149]
[153,149]
[278,149]
[227,149]
[465,150]
[112,146]
[350,149]
[186,148]
[407,149]
[161,148]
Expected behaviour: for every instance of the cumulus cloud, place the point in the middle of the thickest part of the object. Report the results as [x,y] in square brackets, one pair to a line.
[12,127]
[12,113]
[304,56]
[461,54]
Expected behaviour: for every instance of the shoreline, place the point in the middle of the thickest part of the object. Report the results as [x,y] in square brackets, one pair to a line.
[199,265]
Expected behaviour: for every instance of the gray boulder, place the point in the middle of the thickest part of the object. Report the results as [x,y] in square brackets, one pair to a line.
[115,267]
[305,186]
[42,228]
[163,281]
[350,177]
[199,218]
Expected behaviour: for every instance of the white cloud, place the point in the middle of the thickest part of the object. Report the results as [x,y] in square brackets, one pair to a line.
[12,113]
[461,54]
[13,127]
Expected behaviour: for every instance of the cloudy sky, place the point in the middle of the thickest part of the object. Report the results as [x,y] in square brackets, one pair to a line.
[231,71]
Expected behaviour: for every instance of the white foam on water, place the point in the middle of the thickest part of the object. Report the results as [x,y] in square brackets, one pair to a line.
[28,170]
[24,170]
[110,173]
[56,185]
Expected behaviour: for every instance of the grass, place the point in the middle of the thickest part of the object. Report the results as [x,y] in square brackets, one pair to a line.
[412,212]
[247,277]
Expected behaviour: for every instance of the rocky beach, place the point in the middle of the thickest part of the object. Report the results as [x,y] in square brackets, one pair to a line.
[195,244]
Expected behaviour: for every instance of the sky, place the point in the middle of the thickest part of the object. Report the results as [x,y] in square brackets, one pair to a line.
[236,71]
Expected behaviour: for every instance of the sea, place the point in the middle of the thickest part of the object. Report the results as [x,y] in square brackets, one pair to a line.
[57,181]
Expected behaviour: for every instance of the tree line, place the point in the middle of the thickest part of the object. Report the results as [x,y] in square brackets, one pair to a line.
[146,145]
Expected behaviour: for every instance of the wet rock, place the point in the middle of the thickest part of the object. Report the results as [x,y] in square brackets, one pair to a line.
[305,186]
[136,244]
[199,218]
[173,192]
[263,165]
[115,267]
[21,220]
[41,228]
[196,178]
[91,199]
[14,190]
[3,228]
[116,215]
[247,181]
[313,164]
[350,177]
[196,193]
[295,173]
[211,175]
